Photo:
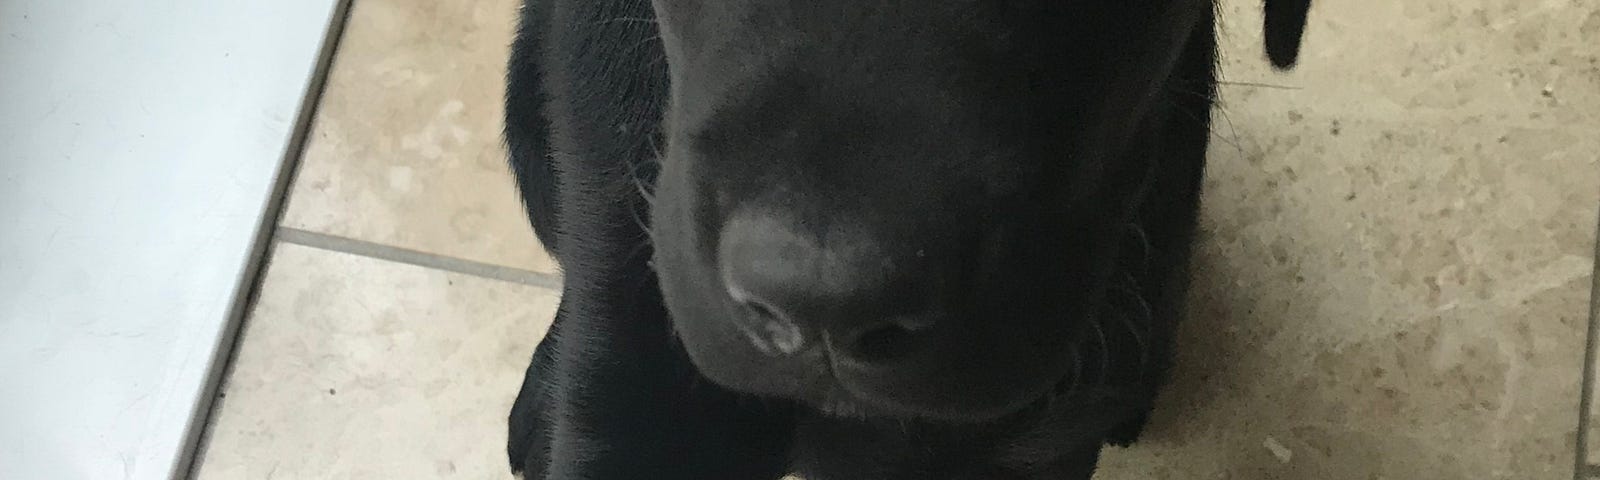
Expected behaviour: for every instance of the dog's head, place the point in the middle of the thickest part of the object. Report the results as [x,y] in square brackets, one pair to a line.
[902,208]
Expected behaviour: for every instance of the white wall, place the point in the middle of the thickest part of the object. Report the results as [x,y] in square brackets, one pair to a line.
[139,141]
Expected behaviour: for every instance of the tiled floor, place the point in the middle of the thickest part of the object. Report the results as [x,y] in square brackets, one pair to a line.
[356,366]
[1391,282]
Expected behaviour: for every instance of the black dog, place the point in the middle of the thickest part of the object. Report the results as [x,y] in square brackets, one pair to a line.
[852,239]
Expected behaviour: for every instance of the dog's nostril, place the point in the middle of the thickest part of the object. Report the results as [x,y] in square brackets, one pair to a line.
[894,340]
[769,330]
[789,288]
[914,324]
[757,310]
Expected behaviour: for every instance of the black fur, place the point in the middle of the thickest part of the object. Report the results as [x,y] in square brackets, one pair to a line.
[1043,157]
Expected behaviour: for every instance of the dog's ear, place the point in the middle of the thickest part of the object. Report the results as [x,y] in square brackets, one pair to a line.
[1284,22]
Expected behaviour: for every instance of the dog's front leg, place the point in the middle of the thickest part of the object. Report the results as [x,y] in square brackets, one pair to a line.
[624,403]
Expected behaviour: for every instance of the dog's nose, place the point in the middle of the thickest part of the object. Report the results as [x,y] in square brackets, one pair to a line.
[793,285]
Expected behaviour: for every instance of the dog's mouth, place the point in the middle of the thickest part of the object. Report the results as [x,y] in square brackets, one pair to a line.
[1115,351]
[858,398]
[1102,363]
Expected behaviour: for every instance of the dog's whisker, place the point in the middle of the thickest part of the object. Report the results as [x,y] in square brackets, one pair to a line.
[648,21]
[1105,353]
[1133,326]
[1257,84]
[652,39]
[638,216]
[655,150]
[1237,144]
[1142,240]
[1232,141]
[1077,370]
[640,246]
[1127,285]
[646,238]
[644,187]
[1145,312]
[647,189]
[1220,108]
[645,192]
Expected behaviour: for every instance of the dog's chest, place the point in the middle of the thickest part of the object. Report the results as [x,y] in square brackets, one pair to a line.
[1045,445]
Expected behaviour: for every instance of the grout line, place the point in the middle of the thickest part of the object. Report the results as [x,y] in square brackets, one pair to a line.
[412,257]
[197,434]
[1582,469]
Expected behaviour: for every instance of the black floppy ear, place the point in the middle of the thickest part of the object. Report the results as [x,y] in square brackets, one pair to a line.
[1285,21]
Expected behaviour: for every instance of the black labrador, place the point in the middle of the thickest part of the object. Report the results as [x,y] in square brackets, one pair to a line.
[857,239]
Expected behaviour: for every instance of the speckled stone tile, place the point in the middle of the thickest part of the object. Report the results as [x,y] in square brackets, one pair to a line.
[1393,272]
[351,368]
[406,146]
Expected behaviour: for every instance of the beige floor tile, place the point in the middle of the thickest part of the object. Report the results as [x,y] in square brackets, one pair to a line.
[1394,268]
[352,368]
[406,146]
